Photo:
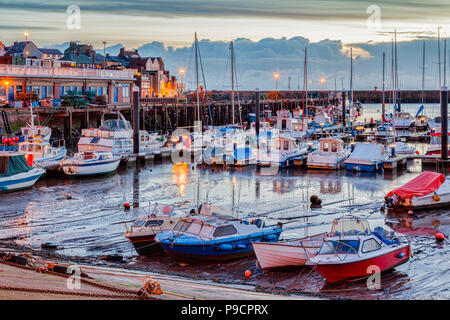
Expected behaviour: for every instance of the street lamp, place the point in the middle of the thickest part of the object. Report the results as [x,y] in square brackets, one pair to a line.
[182,71]
[276,76]
[26,34]
[322,81]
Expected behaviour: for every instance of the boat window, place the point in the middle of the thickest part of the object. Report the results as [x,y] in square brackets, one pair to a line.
[370,245]
[95,140]
[138,223]
[194,228]
[334,147]
[325,146]
[224,231]
[154,223]
[340,247]
[47,149]
[181,226]
[23,148]
[286,145]
[38,148]
[278,144]
[206,231]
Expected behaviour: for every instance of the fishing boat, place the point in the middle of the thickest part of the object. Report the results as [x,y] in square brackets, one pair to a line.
[427,190]
[367,157]
[116,136]
[330,155]
[280,151]
[354,251]
[87,163]
[290,253]
[215,234]
[41,153]
[16,174]
[153,220]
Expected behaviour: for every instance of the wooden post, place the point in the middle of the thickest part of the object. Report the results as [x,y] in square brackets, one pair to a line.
[136,120]
[444,123]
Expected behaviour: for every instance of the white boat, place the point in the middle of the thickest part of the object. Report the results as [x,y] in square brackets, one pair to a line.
[16,174]
[427,190]
[330,155]
[367,157]
[90,163]
[116,136]
[280,151]
[41,153]
[403,148]
[403,120]
[287,253]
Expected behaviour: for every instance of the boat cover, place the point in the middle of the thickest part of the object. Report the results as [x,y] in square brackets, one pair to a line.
[425,183]
[366,153]
[13,164]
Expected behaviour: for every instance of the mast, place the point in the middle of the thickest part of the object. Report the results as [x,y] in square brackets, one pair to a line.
[196,77]
[383,101]
[445,62]
[423,70]
[232,82]
[397,97]
[439,55]
[351,93]
[305,85]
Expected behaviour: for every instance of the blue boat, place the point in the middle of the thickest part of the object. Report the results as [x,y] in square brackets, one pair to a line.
[214,234]
[366,157]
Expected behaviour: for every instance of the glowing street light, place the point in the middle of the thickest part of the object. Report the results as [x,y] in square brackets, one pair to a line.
[26,34]
[182,71]
[322,81]
[276,76]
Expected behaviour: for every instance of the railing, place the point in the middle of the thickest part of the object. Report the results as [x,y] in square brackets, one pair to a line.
[55,72]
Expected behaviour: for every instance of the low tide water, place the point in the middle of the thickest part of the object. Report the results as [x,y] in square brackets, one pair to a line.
[85,218]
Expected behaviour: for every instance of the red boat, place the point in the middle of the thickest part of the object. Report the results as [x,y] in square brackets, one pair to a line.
[435,144]
[353,251]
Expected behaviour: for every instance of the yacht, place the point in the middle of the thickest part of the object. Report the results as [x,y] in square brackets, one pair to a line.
[331,155]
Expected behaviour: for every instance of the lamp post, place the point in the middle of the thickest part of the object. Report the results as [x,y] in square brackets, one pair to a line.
[182,71]
[276,76]
[393,149]
[322,81]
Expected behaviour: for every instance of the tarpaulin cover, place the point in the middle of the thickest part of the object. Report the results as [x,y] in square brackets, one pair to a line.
[13,164]
[425,183]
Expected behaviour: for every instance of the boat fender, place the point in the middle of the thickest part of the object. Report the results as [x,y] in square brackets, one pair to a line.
[225,247]
[270,237]
[401,255]
[241,246]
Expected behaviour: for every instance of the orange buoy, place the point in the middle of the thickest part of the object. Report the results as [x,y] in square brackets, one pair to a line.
[440,237]
[248,273]
[127,206]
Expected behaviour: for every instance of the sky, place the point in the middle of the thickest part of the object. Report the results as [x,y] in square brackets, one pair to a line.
[166,28]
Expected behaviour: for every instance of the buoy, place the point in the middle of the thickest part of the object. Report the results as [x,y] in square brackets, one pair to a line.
[417,152]
[410,212]
[126,206]
[248,273]
[440,237]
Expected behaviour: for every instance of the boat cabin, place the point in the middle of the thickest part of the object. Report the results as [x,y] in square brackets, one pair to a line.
[330,145]
[39,149]
[279,144]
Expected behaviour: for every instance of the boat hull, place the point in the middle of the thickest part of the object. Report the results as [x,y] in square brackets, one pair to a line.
[145,245]
[334,272]
[91,169]
[20,181]
[364,167]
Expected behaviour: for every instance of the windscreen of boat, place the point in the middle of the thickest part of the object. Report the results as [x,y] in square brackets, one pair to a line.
[339,247]
[181,226]
[138,223]
[349,227]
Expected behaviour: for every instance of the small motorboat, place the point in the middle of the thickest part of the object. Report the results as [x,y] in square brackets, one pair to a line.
[402,148]
[330,155]
[280,151]
[427,190]
[155,219]
[403,120]
[215,234]
[435,143]
[87,163]
[42,154]
[16,174]
[290,253]
[354,251]
[367,157]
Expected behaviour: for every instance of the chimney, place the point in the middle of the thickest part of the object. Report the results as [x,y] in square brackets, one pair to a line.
[94,57]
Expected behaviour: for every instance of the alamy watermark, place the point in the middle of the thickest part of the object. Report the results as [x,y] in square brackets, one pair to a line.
[73,21]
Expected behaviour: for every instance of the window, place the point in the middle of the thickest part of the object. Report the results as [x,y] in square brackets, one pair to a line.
[194,228]
[334,147]
[325,146]
[126,92]
[224,231]
[154,223]
[370,245]
[340,247]
[181,226]
[286,145]
[138,223]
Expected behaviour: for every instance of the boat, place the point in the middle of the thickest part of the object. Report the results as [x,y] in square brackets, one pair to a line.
[116,136]
[41,153]
[427,190]
[215,234]
[290,253]
[154,219]
[280,151]
[89,163]
[403,120]
[16,174]
[367,157]
[435,143]
[330,155]
[354,251]
[402,148]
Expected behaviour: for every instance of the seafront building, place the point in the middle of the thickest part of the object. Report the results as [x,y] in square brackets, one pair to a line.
[51,74]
